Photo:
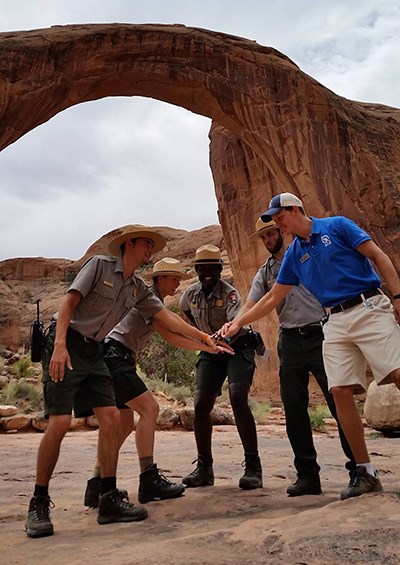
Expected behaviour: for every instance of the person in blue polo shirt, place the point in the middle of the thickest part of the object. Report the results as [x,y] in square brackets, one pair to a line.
[332,258]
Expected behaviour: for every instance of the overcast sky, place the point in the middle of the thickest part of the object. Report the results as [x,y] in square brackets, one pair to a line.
[118,161]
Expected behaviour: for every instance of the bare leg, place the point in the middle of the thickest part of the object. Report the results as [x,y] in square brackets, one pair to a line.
[108,442]
[351,423]
[147,408]
[49,448]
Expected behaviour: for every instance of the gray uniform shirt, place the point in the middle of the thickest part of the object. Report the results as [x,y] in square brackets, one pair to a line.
[299,307]
[106,296]
[211,312]
[135,330]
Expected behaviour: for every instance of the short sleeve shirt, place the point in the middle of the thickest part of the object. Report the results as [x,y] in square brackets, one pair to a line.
[299,308]
[328,264]
[211,312]
[136,329]
[106,296]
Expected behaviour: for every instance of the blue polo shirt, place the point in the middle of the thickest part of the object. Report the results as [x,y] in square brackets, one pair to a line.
[328,264]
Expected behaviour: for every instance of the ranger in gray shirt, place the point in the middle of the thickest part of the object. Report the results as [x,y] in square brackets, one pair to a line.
[73,366]
[122,346]
[300,352]
[208,304]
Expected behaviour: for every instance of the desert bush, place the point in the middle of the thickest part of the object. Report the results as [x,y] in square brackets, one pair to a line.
[160,358]
[22,368]
[2,364]
[178,392]
[260,410]
[317,417]
[20,392]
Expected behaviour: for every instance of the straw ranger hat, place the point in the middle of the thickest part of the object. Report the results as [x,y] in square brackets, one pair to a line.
[170,267]
[136,231]
[208,255]
[262,227]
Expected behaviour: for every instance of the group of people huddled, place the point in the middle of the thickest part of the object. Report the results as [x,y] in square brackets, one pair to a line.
[333,319]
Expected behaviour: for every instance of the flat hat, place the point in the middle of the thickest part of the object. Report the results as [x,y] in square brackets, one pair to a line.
[280,201]
[170,267]
[135,231]
[208,255]
[262,227]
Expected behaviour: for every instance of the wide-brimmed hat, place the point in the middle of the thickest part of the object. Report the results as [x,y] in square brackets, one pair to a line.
[280,201]
[208,255]
[262,227]
[135,231]
[170,267]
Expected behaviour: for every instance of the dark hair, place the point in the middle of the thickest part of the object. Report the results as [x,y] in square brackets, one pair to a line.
[290,208]
[122,246]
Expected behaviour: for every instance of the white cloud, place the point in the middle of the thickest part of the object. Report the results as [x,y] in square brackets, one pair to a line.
[133,160]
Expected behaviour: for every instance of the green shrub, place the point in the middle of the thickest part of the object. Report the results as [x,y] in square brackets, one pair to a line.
[22,368]
[2,363]
[317,417]
[260,410]
[160,359]
[20,392]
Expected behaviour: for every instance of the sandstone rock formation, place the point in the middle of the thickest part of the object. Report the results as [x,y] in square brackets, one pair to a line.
[274,127]
[382,408]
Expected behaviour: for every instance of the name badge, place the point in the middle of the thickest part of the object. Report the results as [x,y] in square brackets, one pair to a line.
[304,258]
[108,283]
[218,303]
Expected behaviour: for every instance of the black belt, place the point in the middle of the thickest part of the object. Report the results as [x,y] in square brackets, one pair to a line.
[109,341]
[303,330]
[354,301]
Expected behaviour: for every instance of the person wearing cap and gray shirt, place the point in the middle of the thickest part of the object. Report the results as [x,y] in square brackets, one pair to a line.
[300,352]
[122,346]
[332,258]
[103,292]
[208,304]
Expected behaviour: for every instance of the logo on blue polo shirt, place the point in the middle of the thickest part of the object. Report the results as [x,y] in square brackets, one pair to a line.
[326,240]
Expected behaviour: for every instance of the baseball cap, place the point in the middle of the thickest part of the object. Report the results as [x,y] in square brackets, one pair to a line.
[280,201]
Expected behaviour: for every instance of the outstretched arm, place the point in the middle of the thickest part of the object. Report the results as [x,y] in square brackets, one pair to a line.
[176,324]
[182,341]
[253,313]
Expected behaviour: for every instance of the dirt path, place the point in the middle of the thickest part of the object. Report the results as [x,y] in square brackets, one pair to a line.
[213,525]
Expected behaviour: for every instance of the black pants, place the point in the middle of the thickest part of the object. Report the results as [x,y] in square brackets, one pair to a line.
[299,355]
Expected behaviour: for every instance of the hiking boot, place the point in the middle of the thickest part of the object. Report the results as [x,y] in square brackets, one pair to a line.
[252,477]
[305,485]
[202,476]
[93,491]
[38,524]
[360,483]
[154,486]
[114,506]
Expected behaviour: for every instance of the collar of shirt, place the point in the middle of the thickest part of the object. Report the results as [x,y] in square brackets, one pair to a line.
[216,291]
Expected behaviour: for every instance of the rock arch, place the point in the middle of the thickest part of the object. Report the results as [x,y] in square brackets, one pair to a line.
[274,127]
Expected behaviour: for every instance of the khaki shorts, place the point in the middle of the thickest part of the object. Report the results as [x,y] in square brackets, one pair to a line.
[359,336]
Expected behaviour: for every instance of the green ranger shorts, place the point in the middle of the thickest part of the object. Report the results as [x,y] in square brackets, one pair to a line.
[89,380]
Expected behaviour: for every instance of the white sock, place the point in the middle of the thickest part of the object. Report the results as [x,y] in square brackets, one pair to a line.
[369,468]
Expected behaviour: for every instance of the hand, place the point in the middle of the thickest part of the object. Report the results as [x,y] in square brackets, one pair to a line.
[59,360]
[230,329]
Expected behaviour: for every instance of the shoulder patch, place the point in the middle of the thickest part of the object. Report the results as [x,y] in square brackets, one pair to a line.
[232,297]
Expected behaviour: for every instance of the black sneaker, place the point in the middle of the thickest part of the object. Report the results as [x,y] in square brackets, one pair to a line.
[115,507]
[361,482]
[252,477]
[305,485]
[154,486]
[202,476]
[38,524]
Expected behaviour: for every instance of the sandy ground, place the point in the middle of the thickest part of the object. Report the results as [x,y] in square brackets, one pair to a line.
[212,525]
